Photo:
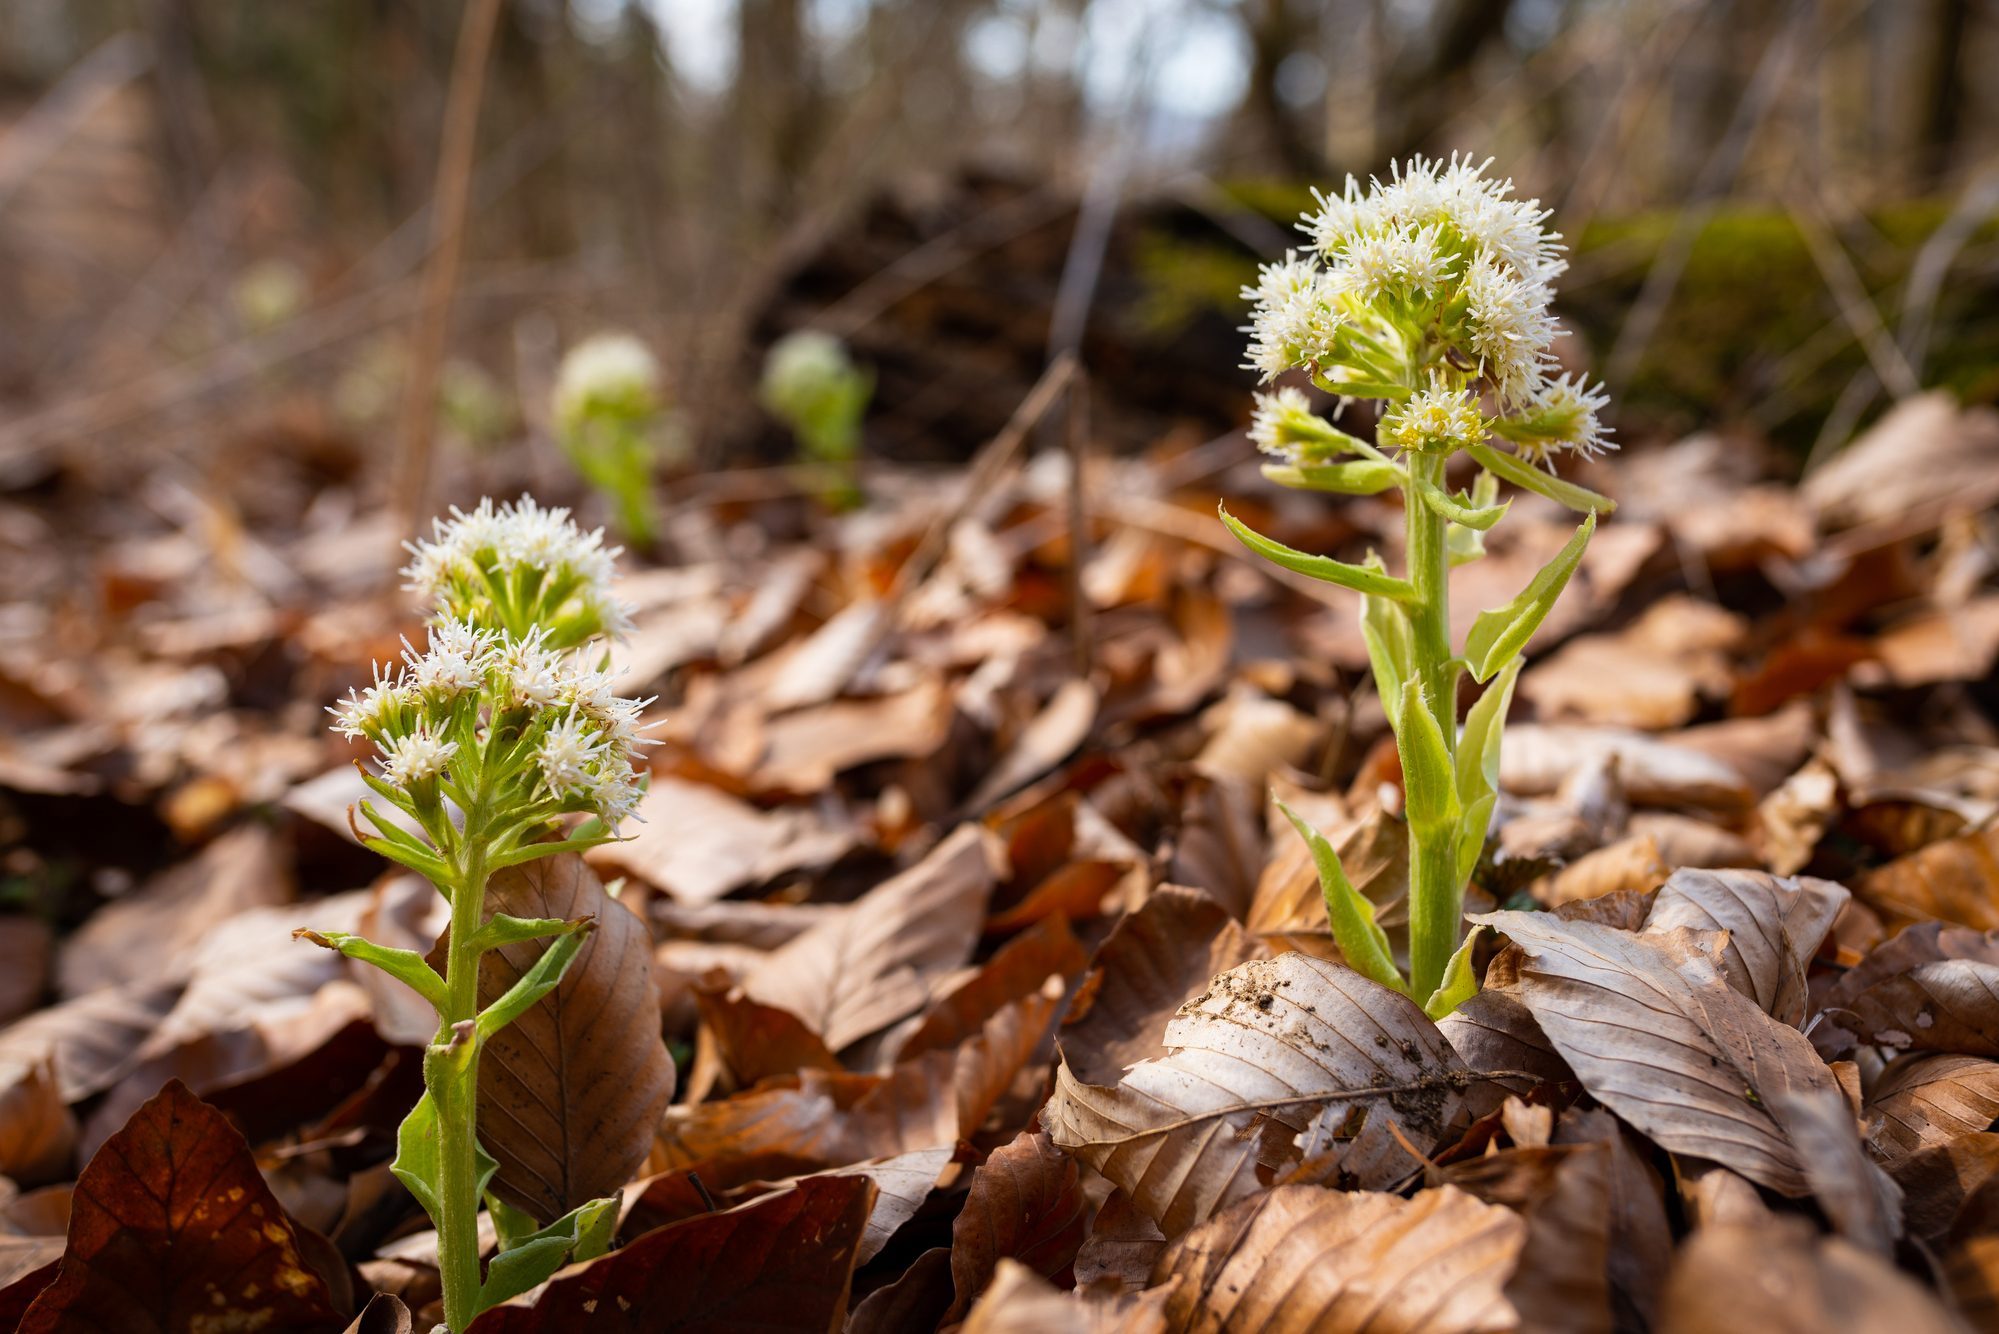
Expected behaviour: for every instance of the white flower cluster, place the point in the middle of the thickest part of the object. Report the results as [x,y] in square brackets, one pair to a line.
[1439,264]
[1283,425]
[548,709]
[1438,419]
[606,370]
[471,556]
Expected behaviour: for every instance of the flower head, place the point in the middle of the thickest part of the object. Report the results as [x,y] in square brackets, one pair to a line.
[1294,316]
[1435,420]
[517,566]
[1560,414]
[372,711]
[812,385]
[609,373]
[415,756]
[1284,426]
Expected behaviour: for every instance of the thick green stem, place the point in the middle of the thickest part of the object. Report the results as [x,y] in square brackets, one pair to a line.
[454,1091]
[1435,897]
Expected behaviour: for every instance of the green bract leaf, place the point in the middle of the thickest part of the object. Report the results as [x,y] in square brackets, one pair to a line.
[418,1162]
[1497,637]
[1324,568]
[1428,783]
[1524,474]
[1460,984]
[528,852]
[501,929]
[406,966]
[1468,513]
[1478,765]
[1357,477]
[1390,649]
[584,1233]
[1360,938]
[535,983]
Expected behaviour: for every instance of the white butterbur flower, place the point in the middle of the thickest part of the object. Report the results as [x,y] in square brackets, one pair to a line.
[415,756]
[368,712]
[1509,328]
[532,674]
[606,370]
[1293,318]
[569,754]
[1284,425]
[1400,261]
[1438,420]
[1562,414]
[454,664]
[465,571]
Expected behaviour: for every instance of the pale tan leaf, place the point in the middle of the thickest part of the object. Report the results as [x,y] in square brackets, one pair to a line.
[1952,881]
[1315,1261]
[1250,1064]
[1778,1278]
[698,843]
[1774,927]
[1667,1044]
[1048,739]
[92,1039]
[877,960]
[1536,758]
[1863,1202]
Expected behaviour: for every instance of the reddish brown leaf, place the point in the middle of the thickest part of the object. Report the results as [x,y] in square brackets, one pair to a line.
[1953,881]
[781,1262]
[1018,968]
[1928,1099]
[174,1229]
[1025,1204]
[1561,1285]
[757,1041]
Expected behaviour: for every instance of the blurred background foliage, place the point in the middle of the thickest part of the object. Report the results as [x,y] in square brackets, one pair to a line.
[212,211]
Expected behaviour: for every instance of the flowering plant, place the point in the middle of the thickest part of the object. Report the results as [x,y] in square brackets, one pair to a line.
[489,742]
[1429,293]
[608,402]
[812,385]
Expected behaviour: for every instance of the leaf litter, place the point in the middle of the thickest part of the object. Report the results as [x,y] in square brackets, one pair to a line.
[991,988]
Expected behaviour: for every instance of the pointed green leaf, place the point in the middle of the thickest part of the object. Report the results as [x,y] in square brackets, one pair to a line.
[1460,984]
[1524,474]
[1497,637]
[1360,938]
[511,1226]
[1478,765]
[584,1233]
[528,852]
[1357,477]
[501,929]
[1324,568]
[406,966]
[1390,648]
[1428,782]
[536,982]
[419,1162]
[1465,512]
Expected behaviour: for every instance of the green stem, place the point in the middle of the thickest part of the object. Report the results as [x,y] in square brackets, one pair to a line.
[1435,897]
[457,1102]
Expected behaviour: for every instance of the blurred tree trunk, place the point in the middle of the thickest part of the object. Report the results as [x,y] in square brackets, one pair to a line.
[1944,80]
[1279,29]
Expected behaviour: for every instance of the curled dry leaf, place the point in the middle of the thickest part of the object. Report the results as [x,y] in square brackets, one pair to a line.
[1774,927]
[916,1300]
[1641,1236]
[1316,1261]
[1121,1249]
[173,1228]
[782,1261]
[1863,1202]
[1950,1005]
[91,1040]
[1537,758]
[1946,1182]
[698,844]
[1929,1099]
[1662,1040]
[1026,1205]
[1019,968]
[1251,1063]
[571,1092]
[874,962]
[1778,1278]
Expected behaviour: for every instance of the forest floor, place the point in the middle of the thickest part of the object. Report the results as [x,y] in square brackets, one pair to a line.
[998,995]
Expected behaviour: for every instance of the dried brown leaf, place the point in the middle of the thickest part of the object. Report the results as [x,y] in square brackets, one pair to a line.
[1956,880]
[1022,1302]
[1774,927]
[1561,1285]
[1252,1062]
[91,1040]
[571,1092]
[1662,1040]
[698,843]
[1929,1099]
[1025,1204]
[174,1229]
[1301,1258]
[1776,1279]
[877,960]
[37,1132]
